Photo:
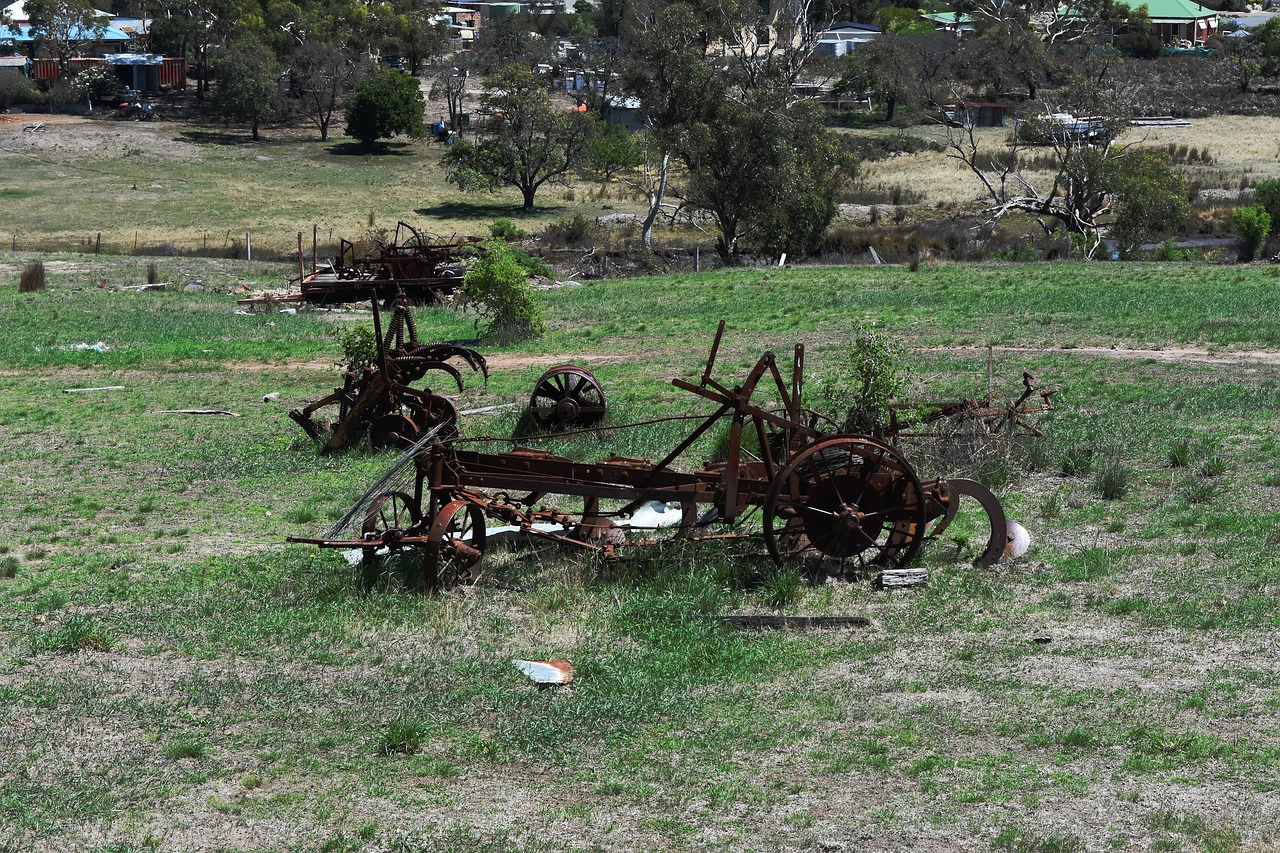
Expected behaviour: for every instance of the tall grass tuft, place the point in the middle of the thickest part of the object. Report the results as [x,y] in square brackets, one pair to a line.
[1179,453]
[32,278]
[1112,478]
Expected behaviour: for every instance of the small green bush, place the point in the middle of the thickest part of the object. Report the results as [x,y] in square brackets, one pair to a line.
[1077,460]
[75,634]
[1267,194]
[8,567]
[497,288]
[359,347]
[186,747]
[1252,225]
[403,737]
[576,232]
[505,229]
[864,380]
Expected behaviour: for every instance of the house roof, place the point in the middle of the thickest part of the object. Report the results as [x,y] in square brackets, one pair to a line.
[1177,10]
[22,33]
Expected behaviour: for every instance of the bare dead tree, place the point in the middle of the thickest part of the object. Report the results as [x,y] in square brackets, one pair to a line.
[651,180]
[1085,156]
[769,46]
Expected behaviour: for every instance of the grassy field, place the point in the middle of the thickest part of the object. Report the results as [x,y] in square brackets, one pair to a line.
[173,186]
[173,676]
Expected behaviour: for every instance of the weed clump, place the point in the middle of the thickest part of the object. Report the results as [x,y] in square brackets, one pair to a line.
[186,747]
[75,634]
[8,567]
[32,278]
[1179,453]
[402,737]
[1112,479]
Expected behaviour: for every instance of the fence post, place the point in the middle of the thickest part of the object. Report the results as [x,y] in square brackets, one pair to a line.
[697,260]
[248,246]
[97,246]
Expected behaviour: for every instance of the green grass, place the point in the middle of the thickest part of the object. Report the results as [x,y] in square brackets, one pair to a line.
[187,659]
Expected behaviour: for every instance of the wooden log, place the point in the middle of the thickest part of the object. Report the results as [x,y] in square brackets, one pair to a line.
[196,412]
[92,390]
[902,578]
[795,622]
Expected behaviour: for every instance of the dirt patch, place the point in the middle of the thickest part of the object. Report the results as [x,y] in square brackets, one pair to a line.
[76,135]
[512,360]
[1167,355]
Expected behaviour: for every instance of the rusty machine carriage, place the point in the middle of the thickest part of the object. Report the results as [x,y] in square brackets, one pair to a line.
[807,493]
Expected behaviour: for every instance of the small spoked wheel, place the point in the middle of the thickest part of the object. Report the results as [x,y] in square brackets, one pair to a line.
[567,396]
[455,545]
[389,516]
[846,498]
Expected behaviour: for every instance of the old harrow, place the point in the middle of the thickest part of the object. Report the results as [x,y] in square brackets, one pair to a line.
[379,399]
[806,493]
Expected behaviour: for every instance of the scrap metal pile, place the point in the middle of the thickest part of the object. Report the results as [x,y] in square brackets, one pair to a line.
[423,267]
[805,493]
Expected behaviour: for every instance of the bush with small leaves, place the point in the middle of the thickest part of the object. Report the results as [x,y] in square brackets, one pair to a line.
[497,288]
[1252,225]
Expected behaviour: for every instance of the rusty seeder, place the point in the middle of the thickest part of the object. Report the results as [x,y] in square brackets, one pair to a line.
[817,495]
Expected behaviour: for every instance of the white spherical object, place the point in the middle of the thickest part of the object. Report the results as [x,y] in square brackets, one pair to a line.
[1019,541]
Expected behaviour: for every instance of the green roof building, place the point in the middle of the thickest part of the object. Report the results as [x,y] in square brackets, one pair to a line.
[1181,22]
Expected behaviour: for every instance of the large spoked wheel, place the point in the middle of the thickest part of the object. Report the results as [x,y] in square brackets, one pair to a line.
[390,515]
[455,544]
[846,498]
[567,396]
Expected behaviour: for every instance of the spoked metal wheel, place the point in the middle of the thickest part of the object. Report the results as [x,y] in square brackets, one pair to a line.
[455,544]
[389,516]
[567,396]
[846,498]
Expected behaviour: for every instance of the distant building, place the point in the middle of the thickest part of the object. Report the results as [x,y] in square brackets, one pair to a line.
[843,37]
[1182,23]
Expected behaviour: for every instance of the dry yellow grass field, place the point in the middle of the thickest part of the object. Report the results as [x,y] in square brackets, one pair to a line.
[1241,147]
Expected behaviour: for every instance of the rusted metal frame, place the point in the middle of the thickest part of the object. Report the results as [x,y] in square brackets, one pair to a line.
[711,359]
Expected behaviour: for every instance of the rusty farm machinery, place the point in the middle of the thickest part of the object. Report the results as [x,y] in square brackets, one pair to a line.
[378,399]
[423,267]
[808,494]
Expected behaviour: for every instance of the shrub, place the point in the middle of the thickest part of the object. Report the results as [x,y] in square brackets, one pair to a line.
[1267,194]
[865,379]
[1077,460]
[1252,224]
[186,747]
[359,347]
[574,233]
[497,288]
[1179,453]
[32,278]
[16,89]
[505,229]
[97,84]
[384,105]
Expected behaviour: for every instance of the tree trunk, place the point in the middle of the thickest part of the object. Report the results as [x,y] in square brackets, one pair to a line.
[655,203]
[255,131]
[528,198]
[890,104]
